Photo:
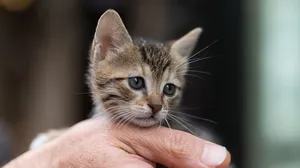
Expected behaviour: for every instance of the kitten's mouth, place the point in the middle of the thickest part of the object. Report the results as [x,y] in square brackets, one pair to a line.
[145,121]
[147,117]
[144,118]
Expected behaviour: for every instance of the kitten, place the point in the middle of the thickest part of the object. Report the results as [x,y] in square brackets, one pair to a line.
[136,80]
[144,79]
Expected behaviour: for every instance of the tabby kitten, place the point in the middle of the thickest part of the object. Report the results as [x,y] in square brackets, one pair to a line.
[134,80]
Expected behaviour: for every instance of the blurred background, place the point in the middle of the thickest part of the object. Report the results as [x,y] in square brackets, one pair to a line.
[253,92]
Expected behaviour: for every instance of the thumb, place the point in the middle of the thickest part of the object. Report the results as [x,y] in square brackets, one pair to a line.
[174,148]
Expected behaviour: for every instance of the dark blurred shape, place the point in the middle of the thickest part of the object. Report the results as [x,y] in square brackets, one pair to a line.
[6,152]
[16,5]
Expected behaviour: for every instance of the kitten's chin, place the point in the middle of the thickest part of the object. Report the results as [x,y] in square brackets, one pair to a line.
[145,122]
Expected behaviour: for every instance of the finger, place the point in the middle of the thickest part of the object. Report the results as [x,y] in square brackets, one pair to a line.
[226,162]
[174,148]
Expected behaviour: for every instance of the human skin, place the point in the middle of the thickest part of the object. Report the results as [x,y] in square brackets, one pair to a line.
[94,144]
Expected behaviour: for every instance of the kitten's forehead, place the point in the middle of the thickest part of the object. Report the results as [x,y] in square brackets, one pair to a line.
[156,56]
[152,60]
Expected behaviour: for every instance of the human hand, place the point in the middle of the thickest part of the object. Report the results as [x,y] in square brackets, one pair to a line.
[94,144]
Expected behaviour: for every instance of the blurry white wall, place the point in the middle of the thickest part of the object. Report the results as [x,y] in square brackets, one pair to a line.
[273,83]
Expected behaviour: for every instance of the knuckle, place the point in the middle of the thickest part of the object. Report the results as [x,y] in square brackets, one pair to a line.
[178,145]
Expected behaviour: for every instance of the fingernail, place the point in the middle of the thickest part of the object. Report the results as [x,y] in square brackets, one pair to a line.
[213,155]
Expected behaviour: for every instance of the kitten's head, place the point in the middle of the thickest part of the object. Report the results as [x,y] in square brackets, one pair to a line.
[137,81]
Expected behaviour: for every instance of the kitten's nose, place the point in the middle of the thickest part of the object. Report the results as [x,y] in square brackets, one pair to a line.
[155,107]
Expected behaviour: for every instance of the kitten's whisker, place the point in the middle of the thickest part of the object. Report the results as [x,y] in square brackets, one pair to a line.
[173,115]
[201,59]
[110,110]
[127,120]
[192,61]
[119,115]
[169,126]
[193,70]
[183,62]
[190,57]
[205,57]
[195,117]
[114,118]
[182,120]
[132,119]
[204,48]
[195,76]
[183,108]
[168,123]
[114,110]
[186,73]
[202,72]
[182,124]
[189,82]
[122,119]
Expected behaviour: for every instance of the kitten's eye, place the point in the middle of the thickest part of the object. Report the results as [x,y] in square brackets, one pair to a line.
[169,89]
[136,83]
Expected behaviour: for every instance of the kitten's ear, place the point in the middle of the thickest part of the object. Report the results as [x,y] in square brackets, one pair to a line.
[186,44]
[110,35]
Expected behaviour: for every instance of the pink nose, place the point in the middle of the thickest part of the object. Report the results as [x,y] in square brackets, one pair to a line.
[155,107]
